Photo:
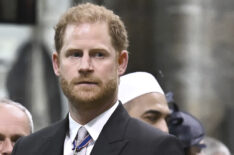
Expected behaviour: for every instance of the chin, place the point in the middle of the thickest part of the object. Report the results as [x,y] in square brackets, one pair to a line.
[87,97]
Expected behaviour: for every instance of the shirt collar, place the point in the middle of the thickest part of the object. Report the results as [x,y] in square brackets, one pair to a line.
[94,127]
[73,127]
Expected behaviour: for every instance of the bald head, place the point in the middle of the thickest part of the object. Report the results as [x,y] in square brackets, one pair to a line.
[14,123]
[214,147]
[144,99]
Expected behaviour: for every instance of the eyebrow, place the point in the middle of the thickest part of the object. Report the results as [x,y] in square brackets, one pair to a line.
[2,136]
[92,49]
[152,112]
[69,51]
[98,49]
[157,112]
[15,136]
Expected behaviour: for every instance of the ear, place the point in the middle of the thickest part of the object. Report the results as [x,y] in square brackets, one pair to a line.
[123,62]
[55,61]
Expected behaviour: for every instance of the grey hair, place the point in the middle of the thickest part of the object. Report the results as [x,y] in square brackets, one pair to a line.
[214,146]
[21,107]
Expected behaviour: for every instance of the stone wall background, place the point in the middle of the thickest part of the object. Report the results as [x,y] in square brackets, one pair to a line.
[187,44]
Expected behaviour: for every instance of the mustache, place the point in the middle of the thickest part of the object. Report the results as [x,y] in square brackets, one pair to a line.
[85,80]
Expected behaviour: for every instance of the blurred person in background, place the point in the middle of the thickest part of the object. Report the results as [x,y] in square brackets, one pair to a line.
[186,127]
[214,147]
[15,122]
[144,99]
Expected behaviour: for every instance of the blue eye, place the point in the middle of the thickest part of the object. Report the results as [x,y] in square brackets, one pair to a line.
[77,54]
[74,53]
[99,54]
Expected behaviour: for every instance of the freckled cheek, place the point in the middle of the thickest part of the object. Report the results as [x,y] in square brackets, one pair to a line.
[106,66]
[111,68]
[68,71]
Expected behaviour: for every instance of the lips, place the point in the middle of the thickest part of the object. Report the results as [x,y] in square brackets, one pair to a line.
[87,82]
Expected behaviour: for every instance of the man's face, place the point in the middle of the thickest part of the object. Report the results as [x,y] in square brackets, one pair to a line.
[88,65]
[13,125]
[194,150]
[151,108]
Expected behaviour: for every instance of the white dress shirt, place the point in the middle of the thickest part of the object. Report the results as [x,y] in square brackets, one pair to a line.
[94,128]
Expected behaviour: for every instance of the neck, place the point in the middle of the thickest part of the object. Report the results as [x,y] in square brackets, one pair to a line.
[83,115]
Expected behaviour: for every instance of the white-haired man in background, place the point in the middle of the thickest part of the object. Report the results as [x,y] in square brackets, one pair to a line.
[15,122]
[214,147]
[144,99]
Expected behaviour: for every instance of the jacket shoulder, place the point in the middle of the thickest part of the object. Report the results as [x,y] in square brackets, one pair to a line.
[47,131]
[41,140]
[154,141]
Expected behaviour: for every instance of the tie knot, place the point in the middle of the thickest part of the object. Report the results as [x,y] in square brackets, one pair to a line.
[82,133]
[81,141]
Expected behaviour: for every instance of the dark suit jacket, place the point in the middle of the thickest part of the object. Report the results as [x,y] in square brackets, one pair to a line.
[122,135]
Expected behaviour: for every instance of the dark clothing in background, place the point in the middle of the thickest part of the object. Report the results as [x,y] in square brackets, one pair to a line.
[19,80]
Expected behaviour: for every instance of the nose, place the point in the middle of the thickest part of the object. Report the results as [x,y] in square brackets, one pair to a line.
[162,125]
[85,65]
[6,147]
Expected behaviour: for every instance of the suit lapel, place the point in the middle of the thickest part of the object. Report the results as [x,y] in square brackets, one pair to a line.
[104,147]
[55,142]
[109,142]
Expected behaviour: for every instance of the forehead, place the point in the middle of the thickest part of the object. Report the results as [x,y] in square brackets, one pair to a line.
[12,118]
[151,101]
[87,30]
[87,35]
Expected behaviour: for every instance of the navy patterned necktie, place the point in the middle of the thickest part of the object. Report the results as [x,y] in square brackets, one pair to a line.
[81,141]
